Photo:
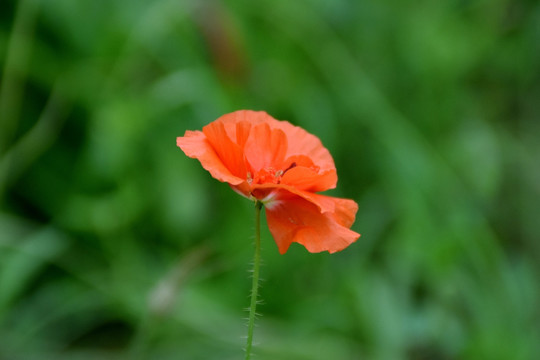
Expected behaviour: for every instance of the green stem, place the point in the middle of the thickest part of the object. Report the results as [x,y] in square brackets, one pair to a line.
[255,284]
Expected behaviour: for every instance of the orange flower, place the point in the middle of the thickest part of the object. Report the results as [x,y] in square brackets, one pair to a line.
[282,166]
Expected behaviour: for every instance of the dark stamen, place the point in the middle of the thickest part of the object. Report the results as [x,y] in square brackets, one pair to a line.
[293,165]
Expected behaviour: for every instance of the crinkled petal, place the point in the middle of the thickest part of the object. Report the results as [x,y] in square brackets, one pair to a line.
[243,129]
[299,141]
[309,180]
[303,143]
[299,220]
[265,147]
[195,145]
[228,151]
[281,192]
[345,211]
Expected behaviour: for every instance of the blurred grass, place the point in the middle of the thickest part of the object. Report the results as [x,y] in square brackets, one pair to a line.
[114,245]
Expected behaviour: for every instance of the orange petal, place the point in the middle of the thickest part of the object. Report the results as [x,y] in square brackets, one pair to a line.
[247,119]
[302,173]
[229,152]
[242,133]
[253,117]
[309,180]
[280,192]
[196,145]
[345,212]
[265,147]
[299,220]
[299,141]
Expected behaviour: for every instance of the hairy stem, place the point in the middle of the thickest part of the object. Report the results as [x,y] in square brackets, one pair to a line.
[255,284]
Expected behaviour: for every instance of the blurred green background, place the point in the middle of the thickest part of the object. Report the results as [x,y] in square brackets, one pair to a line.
[115,245]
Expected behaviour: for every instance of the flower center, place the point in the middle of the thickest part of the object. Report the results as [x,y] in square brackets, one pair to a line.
[268,175]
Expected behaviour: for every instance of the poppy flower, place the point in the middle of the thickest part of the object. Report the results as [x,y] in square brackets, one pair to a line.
[282,166]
